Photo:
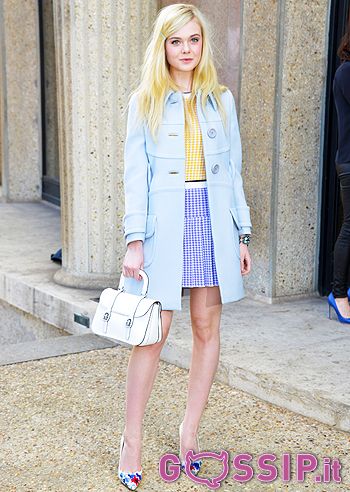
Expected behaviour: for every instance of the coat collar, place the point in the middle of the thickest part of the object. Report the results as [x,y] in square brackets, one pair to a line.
[174,96]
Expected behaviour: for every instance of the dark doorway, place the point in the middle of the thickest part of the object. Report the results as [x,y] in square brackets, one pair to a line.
[50,172]
[331,213]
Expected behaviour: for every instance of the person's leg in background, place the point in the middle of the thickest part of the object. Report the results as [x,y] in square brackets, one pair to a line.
[342,246]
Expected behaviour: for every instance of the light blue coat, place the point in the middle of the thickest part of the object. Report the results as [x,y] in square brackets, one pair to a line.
[154,179]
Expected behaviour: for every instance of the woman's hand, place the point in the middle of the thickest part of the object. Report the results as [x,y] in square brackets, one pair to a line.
[246,262]
[133,260]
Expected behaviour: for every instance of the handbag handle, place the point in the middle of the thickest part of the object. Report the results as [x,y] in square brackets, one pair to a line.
[145,282]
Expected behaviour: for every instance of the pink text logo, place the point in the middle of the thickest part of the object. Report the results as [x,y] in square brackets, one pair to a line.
[169,468]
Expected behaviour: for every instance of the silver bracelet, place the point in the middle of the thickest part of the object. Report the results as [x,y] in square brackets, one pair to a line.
[245,239]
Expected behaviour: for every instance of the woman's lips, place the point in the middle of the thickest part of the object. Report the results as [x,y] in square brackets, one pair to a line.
[186,60]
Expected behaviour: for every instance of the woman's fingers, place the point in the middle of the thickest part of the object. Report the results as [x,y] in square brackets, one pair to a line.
[242,255]
[247,264]
[245,260]
[132,272]
[136,274]
[141,269]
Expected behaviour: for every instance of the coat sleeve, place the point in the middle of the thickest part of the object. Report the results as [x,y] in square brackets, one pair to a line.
[135,177]
[243,212]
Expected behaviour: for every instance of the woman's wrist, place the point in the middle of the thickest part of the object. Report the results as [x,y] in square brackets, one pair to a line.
[135,244]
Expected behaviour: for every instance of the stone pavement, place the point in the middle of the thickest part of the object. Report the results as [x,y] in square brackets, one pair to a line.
[62,417]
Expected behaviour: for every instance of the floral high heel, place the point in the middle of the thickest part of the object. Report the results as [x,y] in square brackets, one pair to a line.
[195,464]
[130,480]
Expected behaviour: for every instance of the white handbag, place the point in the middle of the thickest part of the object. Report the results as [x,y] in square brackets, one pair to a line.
[129,318]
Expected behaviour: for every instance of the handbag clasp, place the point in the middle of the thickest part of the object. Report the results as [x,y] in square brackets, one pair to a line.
[106,316]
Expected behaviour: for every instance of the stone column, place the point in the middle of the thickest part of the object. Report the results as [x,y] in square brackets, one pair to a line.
[20,115]
[100,45]
[1,111]
[283,73]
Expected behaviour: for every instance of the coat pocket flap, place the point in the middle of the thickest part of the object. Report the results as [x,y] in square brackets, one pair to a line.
[150,225]
[234,217]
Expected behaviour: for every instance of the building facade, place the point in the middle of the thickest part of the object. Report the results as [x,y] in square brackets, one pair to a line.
[65,79]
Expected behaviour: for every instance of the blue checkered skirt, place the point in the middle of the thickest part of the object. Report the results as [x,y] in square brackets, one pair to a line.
[199,269]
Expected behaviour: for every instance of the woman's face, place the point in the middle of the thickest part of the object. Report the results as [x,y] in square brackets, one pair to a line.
[183,49]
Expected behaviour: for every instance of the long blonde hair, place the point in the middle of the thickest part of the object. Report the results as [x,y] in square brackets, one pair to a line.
[155,76]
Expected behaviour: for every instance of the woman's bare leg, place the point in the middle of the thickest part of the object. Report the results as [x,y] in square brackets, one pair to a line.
[206,308]
[142,370]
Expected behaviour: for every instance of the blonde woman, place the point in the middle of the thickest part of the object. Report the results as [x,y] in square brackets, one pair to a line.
[186,220]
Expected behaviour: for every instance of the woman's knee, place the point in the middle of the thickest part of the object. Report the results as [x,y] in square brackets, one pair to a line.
[206,307]
[204,328]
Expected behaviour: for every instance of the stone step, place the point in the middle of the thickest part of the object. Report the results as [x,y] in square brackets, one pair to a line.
[52,347]
[288,354]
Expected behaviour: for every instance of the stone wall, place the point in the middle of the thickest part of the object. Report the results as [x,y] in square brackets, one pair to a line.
[283,73]
[21,113]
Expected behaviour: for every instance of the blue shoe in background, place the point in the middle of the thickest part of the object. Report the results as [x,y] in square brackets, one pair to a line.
[332,305]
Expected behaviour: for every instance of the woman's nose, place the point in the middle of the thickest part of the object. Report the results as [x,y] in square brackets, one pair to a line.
[185,47]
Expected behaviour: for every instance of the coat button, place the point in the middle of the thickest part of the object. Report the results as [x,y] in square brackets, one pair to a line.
[211,133]
[215,168]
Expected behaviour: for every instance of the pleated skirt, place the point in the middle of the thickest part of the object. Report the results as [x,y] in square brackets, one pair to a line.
[199,269]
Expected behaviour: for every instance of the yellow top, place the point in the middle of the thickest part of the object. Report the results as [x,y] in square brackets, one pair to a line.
[194,165]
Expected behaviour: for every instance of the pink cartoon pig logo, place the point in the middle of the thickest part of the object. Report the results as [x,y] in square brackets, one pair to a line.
[212,483]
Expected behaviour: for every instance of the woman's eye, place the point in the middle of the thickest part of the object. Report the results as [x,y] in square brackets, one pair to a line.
[176,42]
